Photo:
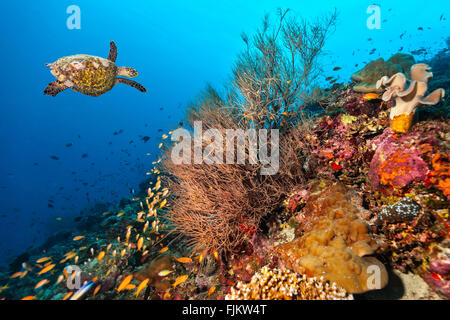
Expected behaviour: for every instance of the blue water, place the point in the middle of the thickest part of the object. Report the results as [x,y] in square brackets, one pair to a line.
[177,47]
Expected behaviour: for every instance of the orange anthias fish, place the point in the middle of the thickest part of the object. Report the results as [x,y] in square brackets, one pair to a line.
[371,96]
[211,290]
[163,250]
[46,269]
[140,243]
[43,259]
[97,289]
[180,280]
[184,260]
[141,286]
[78,238]
[101,255]
[15,275]
[124,283]
[68,295]
[41,283]
[29,298]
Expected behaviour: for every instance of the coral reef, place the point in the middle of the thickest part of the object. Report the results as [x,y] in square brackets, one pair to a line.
[437,275]
[277,284]
[396,162]
[335,244]
[414,158]
[404,210]
[407,100]
[366,78]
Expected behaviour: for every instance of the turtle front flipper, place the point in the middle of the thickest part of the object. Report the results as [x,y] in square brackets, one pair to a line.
[54,88]
[112,51]
[132,83]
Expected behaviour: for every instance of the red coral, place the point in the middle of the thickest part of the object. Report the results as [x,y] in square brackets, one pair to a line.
[396,162]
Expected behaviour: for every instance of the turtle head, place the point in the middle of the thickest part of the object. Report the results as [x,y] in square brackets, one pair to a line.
[127,72]
[54,69]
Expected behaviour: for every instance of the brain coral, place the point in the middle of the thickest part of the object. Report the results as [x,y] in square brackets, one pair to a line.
[282,284]
[366,78]
[335,243]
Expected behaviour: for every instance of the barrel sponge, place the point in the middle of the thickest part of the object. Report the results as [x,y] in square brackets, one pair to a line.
[337,246]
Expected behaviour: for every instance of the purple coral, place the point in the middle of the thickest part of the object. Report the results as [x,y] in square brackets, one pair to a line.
[396,162]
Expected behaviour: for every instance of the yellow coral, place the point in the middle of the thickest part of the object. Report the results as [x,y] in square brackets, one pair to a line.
[347,118]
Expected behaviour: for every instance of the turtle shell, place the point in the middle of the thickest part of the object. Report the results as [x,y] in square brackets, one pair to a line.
[87,74]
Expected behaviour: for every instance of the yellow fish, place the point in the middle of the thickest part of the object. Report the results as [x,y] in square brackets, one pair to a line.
[78,238]
[124,283]
[163,203]
[29,298]
[164,136]
[184,260]
[141,286]
[371,96]
[41,283]
[164,273]
[180,280]
[46,269]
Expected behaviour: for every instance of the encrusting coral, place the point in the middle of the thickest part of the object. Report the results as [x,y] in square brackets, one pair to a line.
[278,284]
[335,243]
[407,100]
[366,78]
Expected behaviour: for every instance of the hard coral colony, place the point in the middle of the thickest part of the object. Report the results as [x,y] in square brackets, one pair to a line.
[362,192]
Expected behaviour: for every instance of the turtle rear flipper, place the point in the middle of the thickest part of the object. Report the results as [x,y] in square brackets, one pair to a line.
[54,88]
[112,51]
[132,83]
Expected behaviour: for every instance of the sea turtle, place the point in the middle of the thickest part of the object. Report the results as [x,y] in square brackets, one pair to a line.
[90,75]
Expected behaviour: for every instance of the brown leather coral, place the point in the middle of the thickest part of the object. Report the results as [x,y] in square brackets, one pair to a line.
[406,101]
[336,244]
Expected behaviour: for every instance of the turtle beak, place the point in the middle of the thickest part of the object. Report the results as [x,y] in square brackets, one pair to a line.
[49,65]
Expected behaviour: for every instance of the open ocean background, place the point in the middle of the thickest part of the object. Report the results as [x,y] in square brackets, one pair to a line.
[177,47]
